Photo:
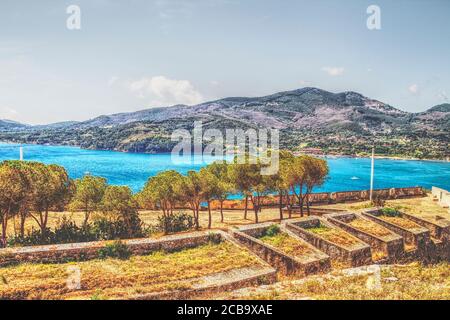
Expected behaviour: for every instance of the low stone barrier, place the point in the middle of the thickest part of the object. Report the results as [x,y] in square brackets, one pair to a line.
[356,255]
[90,250]
[392,245]
[419,237]
[442,196]
[299,265]
[439,230]
[329,197]
[217,283]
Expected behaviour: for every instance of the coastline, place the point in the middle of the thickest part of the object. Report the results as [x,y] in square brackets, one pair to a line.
[387,157]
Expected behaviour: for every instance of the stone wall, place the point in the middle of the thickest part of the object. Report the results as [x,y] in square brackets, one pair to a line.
[90,250]
[420,237]
[392,245]
[330,197]
[356,255]
[309,264]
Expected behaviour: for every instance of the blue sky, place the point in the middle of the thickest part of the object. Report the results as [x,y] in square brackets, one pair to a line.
[136,54]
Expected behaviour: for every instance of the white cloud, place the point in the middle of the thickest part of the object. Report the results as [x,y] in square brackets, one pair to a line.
[162,91]
[8,113]
[414,88]
[333,71]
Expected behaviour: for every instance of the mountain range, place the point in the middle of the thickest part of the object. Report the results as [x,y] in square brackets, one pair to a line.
[338,123]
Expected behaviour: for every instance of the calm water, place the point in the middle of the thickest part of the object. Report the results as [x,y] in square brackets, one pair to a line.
[134,169]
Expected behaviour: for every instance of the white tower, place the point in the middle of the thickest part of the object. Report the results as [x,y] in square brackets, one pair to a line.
[372,169]
[21,153]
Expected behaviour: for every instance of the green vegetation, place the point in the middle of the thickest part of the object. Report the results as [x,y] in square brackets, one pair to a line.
[174,223]
[89,195]
[118,250]
[390,212]
[29,190]
[271,231]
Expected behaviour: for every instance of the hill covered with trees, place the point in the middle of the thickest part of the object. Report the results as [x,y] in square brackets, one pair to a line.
[338,123]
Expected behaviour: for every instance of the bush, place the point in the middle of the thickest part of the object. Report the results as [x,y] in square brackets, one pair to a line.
[390,212]
[104,229]
[118,249]
[273,230]
[175,223]
[68,232]
[214,238]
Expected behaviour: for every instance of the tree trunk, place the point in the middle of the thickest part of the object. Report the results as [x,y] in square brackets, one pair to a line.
[288,203]
[209,214]
[86,218]
[307,204]
[300,201]
[255,207]
[221,211]
[246,206]
[197,222]
[280,194]
[4,227]
[22,225]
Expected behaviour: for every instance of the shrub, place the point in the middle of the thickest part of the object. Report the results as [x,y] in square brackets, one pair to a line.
[175,223]
[68,232]
[105,229]
[272,230]
[390,212]
[118,249]
[214,238]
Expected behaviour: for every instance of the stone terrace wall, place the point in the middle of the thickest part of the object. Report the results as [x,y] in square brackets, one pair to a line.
[90,250]
[331,197]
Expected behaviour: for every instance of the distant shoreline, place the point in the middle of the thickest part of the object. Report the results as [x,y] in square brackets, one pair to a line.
[403,158]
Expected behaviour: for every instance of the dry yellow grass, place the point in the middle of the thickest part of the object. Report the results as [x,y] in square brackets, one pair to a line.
[112,278]
[399,221]
[369,227]
[423,207]
[335,235]
[287,244]
[408,282]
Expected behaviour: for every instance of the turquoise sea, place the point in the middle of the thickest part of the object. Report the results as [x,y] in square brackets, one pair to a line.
[133,169]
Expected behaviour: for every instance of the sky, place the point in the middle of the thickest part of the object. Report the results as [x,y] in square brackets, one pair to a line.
[138,54]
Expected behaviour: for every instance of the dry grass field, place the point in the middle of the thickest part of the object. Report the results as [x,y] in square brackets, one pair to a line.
[113,278]
[369,226]
[287,244]
[398,282]
[424,207]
